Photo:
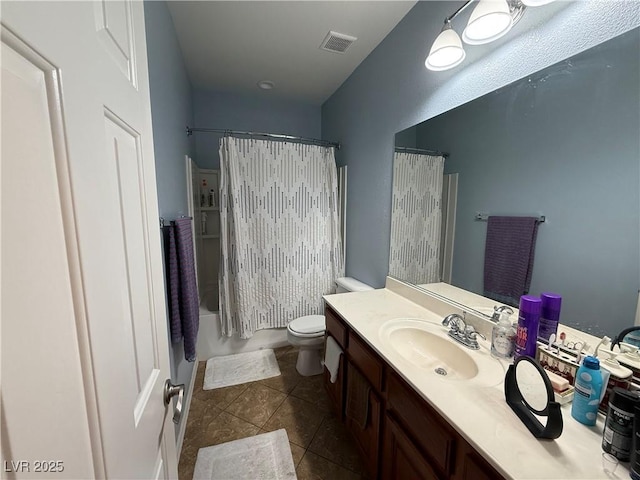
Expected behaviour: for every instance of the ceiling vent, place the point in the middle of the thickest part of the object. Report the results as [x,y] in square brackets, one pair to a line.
[337,42]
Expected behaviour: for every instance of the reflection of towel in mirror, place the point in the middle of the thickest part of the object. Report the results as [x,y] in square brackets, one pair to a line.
[357,397]
[332,357]
[508,258]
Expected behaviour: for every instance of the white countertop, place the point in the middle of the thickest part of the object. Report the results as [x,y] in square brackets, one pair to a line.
[479,413]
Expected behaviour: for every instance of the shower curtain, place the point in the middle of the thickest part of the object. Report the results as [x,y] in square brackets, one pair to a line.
[280,237]
[416,217]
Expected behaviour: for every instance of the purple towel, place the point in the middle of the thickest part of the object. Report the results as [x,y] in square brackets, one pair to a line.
[173,283]
[508,258]
[181,285]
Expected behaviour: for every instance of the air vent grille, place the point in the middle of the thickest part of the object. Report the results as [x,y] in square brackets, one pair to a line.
[337,42]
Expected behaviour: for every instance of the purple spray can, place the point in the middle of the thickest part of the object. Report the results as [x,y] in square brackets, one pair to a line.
[528,321]
[550,314]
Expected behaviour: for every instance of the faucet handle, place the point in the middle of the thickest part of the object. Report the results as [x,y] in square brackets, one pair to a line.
[472,334]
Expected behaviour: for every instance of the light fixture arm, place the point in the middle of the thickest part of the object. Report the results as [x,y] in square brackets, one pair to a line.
[457,12]
[516,7]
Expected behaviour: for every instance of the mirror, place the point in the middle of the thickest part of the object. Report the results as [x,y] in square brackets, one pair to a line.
[532,387]
[562,143]
[528,392]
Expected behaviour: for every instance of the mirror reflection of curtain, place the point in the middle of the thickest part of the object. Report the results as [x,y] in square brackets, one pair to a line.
[416,217]
[280,234]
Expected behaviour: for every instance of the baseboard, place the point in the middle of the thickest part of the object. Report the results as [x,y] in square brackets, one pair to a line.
[185,409]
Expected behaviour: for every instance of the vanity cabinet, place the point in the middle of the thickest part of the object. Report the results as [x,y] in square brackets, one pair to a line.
[404,438]
[357,357]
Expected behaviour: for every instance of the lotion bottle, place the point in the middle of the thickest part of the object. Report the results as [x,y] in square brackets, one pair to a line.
[503,337]
[588,388]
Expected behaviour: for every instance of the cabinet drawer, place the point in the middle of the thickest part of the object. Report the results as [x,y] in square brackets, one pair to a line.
[336,327]
[422,424]
[366,361]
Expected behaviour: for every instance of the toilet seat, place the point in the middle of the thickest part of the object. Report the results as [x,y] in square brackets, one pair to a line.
[308,326]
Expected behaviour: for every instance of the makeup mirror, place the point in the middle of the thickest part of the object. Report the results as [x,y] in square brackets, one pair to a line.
[533,388]
[529,393]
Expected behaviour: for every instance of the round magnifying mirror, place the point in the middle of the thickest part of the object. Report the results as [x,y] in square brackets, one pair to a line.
[532,386]
[529,393]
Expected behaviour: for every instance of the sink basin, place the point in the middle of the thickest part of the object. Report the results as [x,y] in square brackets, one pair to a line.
[427,346]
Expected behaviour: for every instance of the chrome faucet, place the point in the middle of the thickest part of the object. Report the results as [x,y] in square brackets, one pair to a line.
[461,332]
[454,320]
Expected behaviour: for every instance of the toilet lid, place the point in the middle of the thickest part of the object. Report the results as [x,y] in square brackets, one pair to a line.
[309,325]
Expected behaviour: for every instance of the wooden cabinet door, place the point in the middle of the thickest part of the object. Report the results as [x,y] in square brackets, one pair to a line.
[336,390]
[401,459]
[368,439]
[471,466]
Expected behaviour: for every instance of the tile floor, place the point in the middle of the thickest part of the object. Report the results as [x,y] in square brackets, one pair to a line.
[320,445]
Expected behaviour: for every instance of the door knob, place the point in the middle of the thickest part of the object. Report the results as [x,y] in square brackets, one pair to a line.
[170,391]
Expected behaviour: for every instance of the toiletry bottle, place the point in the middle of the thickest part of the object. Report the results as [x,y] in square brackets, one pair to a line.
[635,446]
[503,337]
[617,437]
[550,315]
[587,391]
[528,321]
[203,196]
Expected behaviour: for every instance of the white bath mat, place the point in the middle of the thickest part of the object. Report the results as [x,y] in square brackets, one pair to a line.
[266,456]
[240,368]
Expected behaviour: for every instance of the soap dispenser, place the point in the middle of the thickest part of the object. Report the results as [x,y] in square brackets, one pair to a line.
[503,337]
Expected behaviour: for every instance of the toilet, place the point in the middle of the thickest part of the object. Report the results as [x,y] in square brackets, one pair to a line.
[307,332]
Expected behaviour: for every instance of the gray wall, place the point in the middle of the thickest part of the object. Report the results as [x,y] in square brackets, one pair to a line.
[391,90]
[170,111]
[260,112]
[565,143]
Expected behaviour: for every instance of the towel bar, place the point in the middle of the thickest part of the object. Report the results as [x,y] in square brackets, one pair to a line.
[483,217]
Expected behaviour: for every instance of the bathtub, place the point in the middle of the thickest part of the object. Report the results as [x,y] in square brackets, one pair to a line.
[211,343]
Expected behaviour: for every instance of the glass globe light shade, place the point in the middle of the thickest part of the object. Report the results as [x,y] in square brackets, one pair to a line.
[490,20]
[446,51]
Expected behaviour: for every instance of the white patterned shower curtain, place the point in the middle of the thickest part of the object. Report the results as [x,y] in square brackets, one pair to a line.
[416,217]
[280,235]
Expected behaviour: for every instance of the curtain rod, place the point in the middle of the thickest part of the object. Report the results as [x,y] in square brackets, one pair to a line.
[422,150]
[277,136]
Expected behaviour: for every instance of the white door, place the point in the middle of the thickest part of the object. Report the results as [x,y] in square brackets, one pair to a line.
[84,331]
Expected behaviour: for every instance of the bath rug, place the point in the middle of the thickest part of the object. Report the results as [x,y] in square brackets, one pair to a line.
[240,368]
[266,456]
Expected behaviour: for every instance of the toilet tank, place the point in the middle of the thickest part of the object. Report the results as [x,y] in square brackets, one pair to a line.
[350,284]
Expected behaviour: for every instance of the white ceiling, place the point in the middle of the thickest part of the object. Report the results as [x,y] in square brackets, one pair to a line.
[232,45]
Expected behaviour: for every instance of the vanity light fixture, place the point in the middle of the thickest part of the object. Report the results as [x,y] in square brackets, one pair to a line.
[489,20]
